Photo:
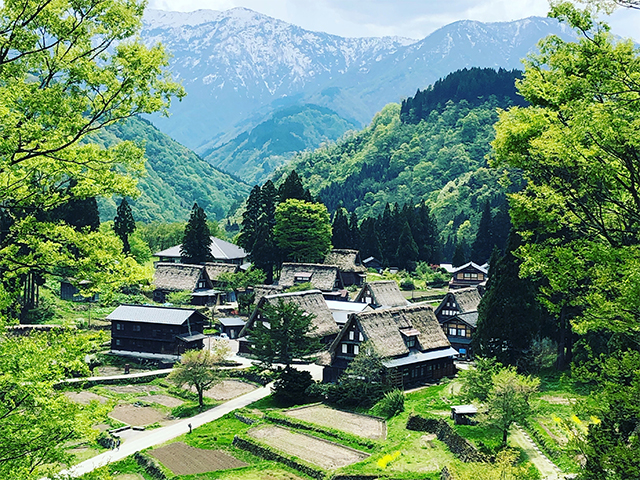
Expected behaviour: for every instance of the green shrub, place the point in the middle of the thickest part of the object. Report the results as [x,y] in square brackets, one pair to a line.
[391,404]
[291,387]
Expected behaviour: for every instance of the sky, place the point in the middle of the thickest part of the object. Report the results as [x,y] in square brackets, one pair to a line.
[407,18]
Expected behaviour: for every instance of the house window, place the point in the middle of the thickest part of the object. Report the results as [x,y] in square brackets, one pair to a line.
[202,284]
[344,348]
[356,349]
[411,342]
[119,326]
[136,328]
[452,330]
[360,337]
[118,342]
[352,335]
[462,332]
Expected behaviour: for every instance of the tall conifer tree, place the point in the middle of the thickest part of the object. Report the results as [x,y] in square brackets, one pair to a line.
[484,241]
[124,224]
[196,243]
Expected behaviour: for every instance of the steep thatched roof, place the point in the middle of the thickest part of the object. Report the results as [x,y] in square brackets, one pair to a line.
[465,300]
[310,301]
[264,290]
[215,269]
[346,260]
[383,294]
[178,276]
[386,330]
[322,277]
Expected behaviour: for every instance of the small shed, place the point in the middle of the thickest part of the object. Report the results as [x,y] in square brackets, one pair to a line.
[231,326]
[463,414]
[351,269]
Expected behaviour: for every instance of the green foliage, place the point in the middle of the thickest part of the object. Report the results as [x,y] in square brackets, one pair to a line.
[506,467]
[291,387]
[254,155]
[199,369]
[196,242]
[183,297]
[289,335]
[302,231]
[391,404]
[241,280]
[477,381]
[300,287]
[175,177]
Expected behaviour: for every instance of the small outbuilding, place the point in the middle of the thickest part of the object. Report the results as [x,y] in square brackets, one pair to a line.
[231,326]
[463,414]
[352,271]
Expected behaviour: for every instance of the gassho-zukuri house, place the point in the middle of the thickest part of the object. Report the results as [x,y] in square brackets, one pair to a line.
[310,301]
[409,340]
[154,332]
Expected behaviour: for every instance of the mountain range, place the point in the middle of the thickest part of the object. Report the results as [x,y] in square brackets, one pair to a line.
[239,67]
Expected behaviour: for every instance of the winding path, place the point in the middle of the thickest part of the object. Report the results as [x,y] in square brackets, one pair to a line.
[547,468]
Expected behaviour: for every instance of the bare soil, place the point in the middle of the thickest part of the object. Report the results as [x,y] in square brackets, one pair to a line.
[228,389]
[84,397]
[133,388]
[165,400]
[183,459]
[314,450]
[137,416]
[361,425]
[556,400]
[129,476]
[108,371]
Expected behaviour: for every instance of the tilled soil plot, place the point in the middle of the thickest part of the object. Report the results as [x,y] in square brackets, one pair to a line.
[84,397]
[361,425]
[133,388]
[165,400]
[137,416]
[228,389]
[183,459]
[314,450]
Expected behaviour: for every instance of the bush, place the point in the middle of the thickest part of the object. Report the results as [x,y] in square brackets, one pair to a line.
[407,284]
[182,297]
[391,404]
[291,387]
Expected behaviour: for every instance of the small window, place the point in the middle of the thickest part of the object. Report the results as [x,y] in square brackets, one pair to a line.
[344,348]
[118,342]
[356,349]
[352,335]
[119,326]
[136,328]
[462,332]
[411,342]
[360,337]
[452,331]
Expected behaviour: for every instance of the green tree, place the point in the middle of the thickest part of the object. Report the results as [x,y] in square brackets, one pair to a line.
[483,244]
[302,231]
[341,233]
[477,381]
[292,187]
[508,400]
[289,336]
[124,224]
[199,369]
[407,253]
[196,242]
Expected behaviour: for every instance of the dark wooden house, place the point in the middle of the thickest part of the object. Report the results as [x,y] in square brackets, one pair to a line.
[350,267]
[231,326]
[408,339]
[468,275]
[373,262]
[221,251]
[382,294]
[458,316]
[156,330]
[310,301]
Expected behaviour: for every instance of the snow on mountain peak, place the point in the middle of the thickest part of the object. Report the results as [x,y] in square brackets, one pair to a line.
[164,19]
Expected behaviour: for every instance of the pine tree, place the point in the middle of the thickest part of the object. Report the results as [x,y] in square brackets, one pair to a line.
[341,233]
[250,218]
[292,188]
[460,254]
[370,244]
[484,242]
[196,242]
[407,253]
[354,231]
[124,224]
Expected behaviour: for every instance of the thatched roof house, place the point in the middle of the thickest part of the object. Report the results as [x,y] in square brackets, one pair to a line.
[409,340]
[322,277]
[351,269]
[264,290]
[173,277]
[458,317]
[215,269]
[382,294]
[311,301]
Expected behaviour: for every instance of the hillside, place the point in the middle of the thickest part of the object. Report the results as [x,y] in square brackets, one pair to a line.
[239,66]
[253,155]
[440,159]
[175,178]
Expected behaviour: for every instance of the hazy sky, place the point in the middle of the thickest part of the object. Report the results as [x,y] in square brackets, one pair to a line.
[407,18]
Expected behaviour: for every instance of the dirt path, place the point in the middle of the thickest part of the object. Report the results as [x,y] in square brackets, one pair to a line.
[519,438]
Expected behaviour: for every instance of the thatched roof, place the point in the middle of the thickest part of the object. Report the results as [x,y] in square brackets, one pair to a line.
[383,294]
[264,290]
[387,329]
[346,260]
[310,301]
[465,300]
[322,277]
[178,276]
[215,269]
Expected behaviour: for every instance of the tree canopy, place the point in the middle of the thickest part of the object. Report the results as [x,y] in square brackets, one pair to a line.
[196,242]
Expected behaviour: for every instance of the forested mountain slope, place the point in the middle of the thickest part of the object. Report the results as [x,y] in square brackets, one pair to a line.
[175,178]
[253,155]
[440,159]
